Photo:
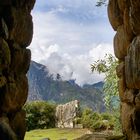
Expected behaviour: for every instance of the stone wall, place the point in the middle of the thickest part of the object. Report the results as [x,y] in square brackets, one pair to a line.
[66,113]
[124,16]
[16,29]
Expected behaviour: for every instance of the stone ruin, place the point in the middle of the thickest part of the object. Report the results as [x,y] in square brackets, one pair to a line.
[124,16]
[66,114]
[16,29]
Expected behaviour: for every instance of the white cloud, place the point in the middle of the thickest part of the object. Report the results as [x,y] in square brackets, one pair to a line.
[69,47]
[75,66]
[100,51]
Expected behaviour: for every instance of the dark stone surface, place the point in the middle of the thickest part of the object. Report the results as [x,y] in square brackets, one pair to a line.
[16,29]
[124,18]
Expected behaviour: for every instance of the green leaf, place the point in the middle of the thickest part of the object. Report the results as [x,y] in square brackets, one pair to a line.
[107,65]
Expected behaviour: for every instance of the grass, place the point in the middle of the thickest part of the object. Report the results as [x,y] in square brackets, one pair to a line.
[55,134]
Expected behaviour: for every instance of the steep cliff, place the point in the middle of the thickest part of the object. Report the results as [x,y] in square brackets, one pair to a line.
[42,86]
[125,20]
[16,29]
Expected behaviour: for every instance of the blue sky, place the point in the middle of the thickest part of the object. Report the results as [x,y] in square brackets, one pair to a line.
[69,35]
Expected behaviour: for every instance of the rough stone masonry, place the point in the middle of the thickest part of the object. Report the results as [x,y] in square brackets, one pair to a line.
[124,16]
[16,29]
[66,114]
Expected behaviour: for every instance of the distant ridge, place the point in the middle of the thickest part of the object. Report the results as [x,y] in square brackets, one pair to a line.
[98,85]
[43,86]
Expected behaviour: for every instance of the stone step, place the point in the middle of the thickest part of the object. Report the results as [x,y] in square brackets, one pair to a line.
[100,137]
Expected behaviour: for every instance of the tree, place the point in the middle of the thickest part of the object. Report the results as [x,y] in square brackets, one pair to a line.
[39,115]
[58,76]
[110,88]
[101,2]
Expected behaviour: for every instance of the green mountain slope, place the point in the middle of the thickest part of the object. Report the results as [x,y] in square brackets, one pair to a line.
[43,86]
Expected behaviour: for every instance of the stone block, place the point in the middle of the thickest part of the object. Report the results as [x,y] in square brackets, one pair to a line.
[18,124]
[122,88]
[120,69]
[65,114]
[129,96]
[127,120]
[127,27]
[6,132]
[20,57]
[24,4]
[45,139]
[121,43]
[5,56]
[136,124]
[20,26]
[134,16]
[122,4]
[132,65]
[16,29]
[23,28]
[14,95]
[114,14]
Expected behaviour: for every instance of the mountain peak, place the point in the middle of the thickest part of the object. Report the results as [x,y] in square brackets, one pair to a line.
[42,86]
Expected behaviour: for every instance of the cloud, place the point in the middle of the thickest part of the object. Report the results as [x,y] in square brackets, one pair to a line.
[72,9]
[100,51]
[78,66]
[69,35]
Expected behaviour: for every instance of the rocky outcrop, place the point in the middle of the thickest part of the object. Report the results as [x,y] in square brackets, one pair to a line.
[125,20]
[16,29]
[66,114]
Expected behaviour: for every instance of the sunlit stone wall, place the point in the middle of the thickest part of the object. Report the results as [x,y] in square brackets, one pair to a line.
[124,16]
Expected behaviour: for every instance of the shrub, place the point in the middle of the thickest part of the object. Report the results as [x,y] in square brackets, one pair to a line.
[39,114]
[91,119]
[97,122]
[86,118]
